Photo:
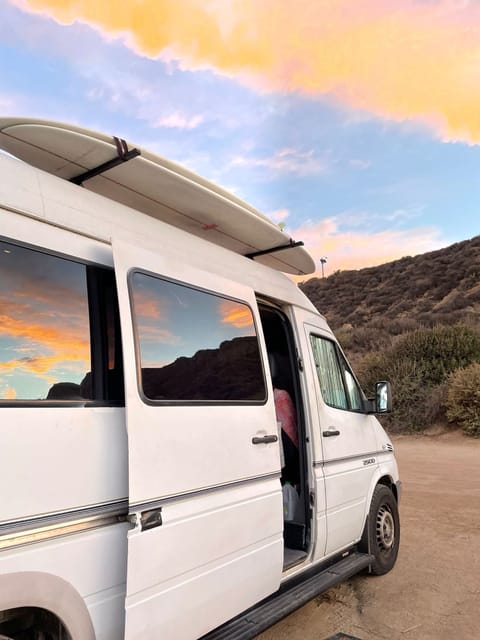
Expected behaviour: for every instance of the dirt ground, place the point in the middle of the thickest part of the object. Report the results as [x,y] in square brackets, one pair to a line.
[433,593]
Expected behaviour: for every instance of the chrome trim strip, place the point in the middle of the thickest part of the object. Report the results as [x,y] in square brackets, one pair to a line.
[159,502]
[367,454]
[48,532]
[59,519]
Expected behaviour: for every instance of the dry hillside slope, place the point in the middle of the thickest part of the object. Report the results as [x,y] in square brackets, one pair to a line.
[440,287]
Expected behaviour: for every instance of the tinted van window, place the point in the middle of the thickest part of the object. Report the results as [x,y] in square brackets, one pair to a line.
[44,326]
[194,345]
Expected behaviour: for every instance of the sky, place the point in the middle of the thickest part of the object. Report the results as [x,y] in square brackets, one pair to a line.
[356,124]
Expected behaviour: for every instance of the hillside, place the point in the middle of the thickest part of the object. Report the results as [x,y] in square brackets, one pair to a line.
[415,322]
[369,305]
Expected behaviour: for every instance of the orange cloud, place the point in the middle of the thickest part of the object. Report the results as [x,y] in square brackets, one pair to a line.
[399,60]
[235,314]
[9,393]
[51,337]
[147,306]
[355,250]
[45,345]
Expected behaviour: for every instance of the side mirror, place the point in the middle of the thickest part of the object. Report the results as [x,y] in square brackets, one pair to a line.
[383,397]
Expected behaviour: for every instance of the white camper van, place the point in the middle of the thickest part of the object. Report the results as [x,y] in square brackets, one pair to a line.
[184,449]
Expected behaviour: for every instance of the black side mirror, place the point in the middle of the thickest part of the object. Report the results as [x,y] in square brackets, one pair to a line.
[383,397]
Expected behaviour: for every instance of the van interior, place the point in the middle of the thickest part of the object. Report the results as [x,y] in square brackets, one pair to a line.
[284,366]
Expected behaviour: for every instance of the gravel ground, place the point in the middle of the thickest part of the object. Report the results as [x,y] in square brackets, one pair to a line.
[433,593]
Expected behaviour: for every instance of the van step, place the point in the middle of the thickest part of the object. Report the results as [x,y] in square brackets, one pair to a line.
[251,623]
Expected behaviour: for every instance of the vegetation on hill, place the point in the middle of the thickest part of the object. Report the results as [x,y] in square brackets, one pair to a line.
[415,322]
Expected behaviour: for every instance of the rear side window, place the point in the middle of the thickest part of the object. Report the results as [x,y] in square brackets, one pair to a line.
[44,326]
[194,345]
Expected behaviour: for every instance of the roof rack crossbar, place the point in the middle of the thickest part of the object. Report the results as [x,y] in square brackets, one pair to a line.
[123,155]
[264,252]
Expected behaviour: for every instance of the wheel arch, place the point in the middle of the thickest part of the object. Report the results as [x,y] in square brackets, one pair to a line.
[384,476]
[387,481]
[40,590]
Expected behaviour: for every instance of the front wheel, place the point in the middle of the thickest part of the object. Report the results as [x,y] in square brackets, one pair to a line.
[381,536]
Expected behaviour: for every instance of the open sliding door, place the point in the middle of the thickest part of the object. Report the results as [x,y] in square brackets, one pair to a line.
[204,467]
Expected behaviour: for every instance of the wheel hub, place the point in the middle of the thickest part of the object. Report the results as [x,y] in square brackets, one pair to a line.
[385,528]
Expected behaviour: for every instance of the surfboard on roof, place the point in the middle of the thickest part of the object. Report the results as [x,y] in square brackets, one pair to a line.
[113,168]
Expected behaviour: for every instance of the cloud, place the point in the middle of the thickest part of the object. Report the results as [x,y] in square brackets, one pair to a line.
[238,315]
[9,393]
[357,249]
[370,221]
[291,161]
[409,60]
[179,120]
[43,325]
[48,333]
[147,306]
[153,334]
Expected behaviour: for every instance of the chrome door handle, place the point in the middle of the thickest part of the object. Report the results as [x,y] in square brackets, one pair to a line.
[330,433]
[264,439]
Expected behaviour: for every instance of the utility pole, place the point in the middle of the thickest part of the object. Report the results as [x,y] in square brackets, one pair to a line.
[323,261]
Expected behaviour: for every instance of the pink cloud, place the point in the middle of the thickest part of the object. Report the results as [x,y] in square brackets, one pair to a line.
[355,250]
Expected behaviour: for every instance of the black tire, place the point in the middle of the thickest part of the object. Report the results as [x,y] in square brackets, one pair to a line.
[381,536]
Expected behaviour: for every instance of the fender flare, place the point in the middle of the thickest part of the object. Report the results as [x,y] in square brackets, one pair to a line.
[384,470]
[47,591]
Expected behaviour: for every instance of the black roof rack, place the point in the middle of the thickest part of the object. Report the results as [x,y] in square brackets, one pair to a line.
[123,155]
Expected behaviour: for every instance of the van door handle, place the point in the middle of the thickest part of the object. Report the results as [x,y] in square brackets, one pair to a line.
[264,439]
[330,433]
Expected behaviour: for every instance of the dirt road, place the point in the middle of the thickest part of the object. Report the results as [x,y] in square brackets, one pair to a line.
[433,593]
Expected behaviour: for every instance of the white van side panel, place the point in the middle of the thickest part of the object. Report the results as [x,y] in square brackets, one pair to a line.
[220,494]
[60,459]
[57,460]
[347,461]
[203,562]
[92,563]
[60,465]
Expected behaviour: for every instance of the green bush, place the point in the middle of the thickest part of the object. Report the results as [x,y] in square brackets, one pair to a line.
[417,364]
[439,350]
[463,399]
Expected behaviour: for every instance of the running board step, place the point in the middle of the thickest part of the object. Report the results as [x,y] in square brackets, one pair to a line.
[251,623]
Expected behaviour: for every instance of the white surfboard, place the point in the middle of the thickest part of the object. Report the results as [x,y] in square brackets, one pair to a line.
[122,172]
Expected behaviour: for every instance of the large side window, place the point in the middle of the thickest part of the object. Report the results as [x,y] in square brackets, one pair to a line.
[59,331]
[337,384]
[44,326]
[194,345]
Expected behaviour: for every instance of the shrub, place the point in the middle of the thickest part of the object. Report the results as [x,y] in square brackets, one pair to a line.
[463,399]
[417,365]
[439,350]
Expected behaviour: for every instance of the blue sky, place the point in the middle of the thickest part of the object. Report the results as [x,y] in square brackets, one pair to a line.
[359,175]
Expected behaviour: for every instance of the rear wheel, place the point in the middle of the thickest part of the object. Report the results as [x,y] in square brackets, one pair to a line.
[381,536]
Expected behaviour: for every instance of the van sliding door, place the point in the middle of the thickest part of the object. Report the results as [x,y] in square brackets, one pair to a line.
[205,497]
